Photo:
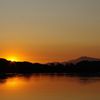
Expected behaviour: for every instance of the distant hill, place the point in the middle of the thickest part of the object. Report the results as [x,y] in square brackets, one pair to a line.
[83,58]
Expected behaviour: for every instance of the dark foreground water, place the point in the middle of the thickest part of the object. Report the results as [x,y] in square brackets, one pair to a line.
[50,87]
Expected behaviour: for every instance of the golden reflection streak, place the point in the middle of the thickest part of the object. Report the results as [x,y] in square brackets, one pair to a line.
[14,83]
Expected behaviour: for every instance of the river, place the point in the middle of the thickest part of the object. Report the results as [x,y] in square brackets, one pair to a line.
[50,87]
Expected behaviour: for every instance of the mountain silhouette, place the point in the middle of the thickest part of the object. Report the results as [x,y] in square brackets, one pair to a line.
[83,58]
[83,66]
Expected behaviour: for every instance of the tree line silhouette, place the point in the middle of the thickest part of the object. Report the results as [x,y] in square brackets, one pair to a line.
[82,68]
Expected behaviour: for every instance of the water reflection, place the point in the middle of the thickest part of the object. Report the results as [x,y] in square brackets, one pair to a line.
[13,83]
[48,87]
[15,79]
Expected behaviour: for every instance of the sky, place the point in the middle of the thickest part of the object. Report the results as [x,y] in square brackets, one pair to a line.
[49,30]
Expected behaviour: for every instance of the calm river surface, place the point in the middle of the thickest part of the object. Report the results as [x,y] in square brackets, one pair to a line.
[46,87]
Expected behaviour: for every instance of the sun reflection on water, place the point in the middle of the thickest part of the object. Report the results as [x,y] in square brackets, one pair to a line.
[15,83]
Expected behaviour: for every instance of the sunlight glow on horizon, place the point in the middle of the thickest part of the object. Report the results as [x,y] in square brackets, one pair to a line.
[13,58]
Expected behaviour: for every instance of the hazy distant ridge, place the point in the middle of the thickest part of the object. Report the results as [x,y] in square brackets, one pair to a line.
[83,58]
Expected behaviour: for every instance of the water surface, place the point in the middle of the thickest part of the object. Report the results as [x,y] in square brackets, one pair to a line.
[50,87]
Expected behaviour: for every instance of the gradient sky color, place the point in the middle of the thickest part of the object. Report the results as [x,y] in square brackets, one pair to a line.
[49,30]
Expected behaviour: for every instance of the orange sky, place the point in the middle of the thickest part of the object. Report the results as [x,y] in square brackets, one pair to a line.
[46,31]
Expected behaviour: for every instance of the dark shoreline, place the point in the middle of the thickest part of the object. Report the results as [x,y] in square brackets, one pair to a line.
[81,69]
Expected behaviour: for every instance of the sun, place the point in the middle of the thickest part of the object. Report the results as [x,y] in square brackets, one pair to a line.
[13,59]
